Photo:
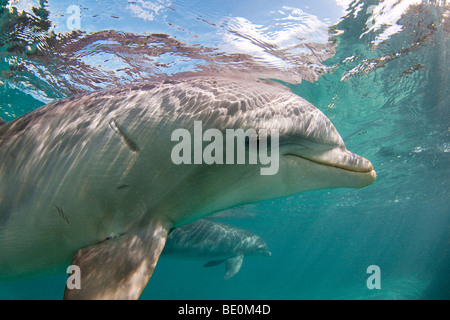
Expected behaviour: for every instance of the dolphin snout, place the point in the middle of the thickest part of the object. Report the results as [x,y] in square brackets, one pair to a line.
[353,162]
[340,157]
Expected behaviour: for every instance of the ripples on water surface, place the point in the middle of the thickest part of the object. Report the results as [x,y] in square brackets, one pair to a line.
[378,69]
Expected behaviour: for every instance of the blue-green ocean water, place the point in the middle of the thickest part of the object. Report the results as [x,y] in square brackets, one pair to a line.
[378,69]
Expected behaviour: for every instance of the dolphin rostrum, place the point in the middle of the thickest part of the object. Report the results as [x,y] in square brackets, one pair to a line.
[211,239]
[90,177]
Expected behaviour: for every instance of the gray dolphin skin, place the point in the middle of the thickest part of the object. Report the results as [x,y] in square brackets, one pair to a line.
[89,181]
[223,243]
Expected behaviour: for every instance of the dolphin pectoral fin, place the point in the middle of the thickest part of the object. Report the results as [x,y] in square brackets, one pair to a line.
[214,263]
[233,266]
[118,268]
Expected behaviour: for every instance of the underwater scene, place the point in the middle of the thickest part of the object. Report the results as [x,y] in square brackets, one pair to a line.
[319,227]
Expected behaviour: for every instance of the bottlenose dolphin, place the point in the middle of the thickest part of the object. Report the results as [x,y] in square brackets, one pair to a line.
[90,177]
[210,239]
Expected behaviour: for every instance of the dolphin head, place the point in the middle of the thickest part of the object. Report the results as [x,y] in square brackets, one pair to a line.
[313,155]
[261,248]
[306,151]
[255,245]
[309,153]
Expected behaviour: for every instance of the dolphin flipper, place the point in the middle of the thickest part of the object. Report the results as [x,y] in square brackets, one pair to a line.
[233,265]
[214,263]
[118,268]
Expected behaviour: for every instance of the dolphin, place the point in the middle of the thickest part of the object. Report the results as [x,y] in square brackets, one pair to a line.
[89,180]
[212,239]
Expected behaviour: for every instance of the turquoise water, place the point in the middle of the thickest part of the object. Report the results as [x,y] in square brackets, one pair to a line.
[378,69]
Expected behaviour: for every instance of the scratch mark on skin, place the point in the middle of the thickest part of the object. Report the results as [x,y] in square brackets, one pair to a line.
[130,143]
[114,236]
[61,214]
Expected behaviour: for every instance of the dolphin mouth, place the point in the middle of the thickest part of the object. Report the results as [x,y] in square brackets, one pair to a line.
[347,161]
[339,158]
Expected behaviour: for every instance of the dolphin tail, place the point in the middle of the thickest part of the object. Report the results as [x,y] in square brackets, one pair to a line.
[118,268]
